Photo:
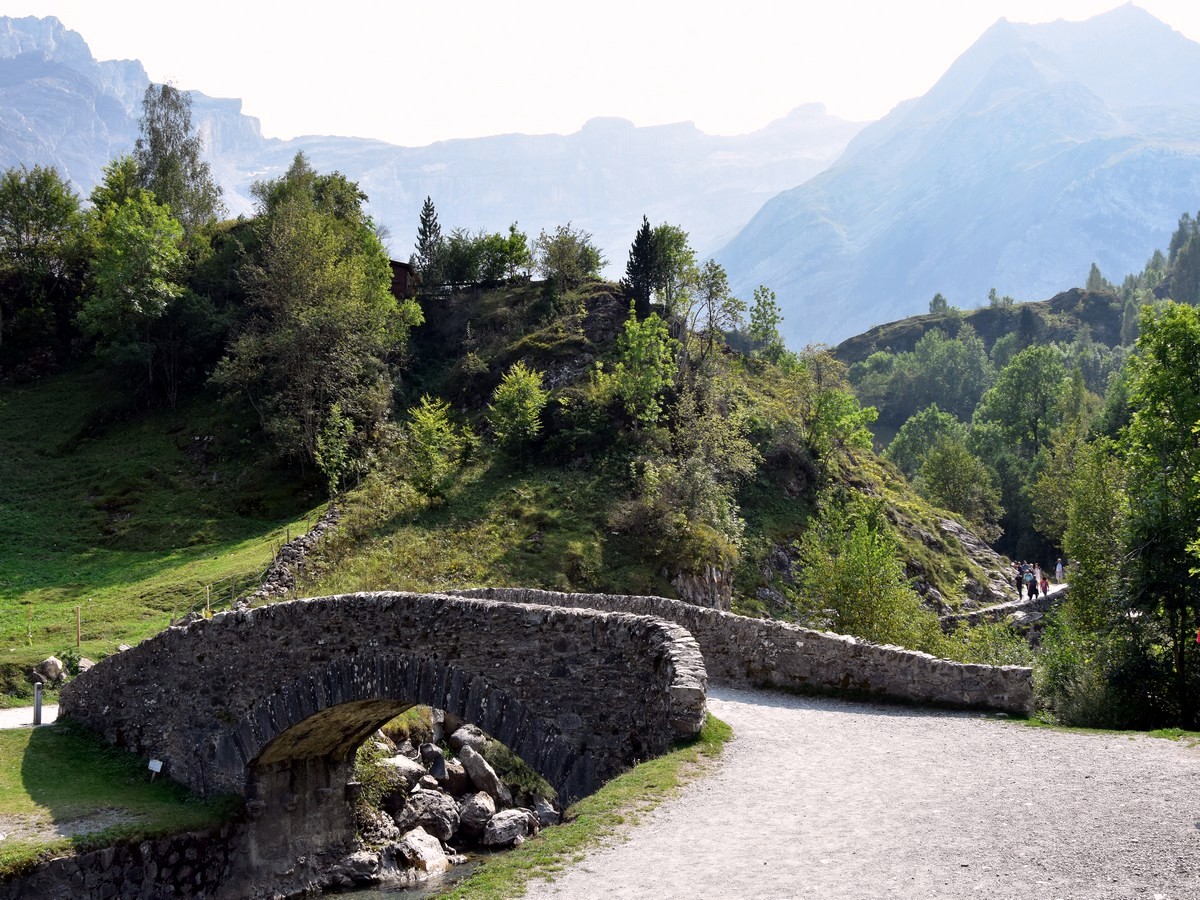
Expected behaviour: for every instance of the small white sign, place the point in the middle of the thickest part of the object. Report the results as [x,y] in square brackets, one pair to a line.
[156,765]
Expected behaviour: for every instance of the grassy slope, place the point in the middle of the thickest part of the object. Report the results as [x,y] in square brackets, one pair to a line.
[110,509]
[63,778]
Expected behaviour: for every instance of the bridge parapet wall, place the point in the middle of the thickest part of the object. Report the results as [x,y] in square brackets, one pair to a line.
[742,651]
[579,694]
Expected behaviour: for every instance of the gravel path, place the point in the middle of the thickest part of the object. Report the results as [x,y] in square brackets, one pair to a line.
[829,799]
[22,716]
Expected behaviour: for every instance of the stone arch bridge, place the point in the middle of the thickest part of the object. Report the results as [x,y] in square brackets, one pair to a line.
[272,702]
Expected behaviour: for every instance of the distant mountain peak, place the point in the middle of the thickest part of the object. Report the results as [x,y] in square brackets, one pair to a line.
[47,36]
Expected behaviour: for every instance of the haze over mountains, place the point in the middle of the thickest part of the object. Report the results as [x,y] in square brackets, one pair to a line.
[60,106]
[1042,149]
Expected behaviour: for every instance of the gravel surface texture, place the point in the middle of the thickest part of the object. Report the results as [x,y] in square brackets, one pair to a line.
[22,716]
[830,799]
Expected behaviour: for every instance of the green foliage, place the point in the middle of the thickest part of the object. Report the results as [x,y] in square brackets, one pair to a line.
[995,301]
[1163,457]
[939,306]
[41,262]
[852,575]
[427,260]
[675,267]
[644,367]
[567,257]
[515,414]
[1025,401]
[919,435]
[170,161]
[332,454]
[641,268]
[765,319]
[954,478]
[326,323]
[990,644]
[434,445]
[135,272]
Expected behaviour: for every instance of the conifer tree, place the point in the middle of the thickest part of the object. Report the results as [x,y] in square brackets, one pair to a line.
[428,258]
[642,268]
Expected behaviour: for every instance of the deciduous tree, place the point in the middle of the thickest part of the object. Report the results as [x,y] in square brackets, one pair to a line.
[170,158]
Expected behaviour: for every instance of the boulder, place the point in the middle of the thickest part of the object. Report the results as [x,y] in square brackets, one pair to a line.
[457,782]
[434,760]
[468,736]
[424,852]
[361,867]
[545,812]
[52,670]
[474,812]
[484,777]
[510,828]
[434,811]
[411,771]
[86,665]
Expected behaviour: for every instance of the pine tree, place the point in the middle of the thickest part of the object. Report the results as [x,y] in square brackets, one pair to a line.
[428,258]
[641,269]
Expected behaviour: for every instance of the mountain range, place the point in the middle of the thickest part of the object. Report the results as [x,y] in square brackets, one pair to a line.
[1042,149]
[60,106]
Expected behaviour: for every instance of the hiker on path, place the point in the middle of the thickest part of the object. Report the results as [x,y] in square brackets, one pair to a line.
[1058,572]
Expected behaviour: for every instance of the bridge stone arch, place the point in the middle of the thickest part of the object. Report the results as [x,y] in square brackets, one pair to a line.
[272,702]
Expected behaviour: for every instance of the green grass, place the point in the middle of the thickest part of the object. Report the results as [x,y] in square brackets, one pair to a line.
[618,804]
[110,508]
[67,777]
[498,525]
[1191,738]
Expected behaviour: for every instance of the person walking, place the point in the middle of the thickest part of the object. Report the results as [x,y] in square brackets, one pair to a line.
[1058,572]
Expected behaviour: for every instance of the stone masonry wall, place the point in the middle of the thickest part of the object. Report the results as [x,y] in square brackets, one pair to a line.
[194,865]
[764,653]
[580,695]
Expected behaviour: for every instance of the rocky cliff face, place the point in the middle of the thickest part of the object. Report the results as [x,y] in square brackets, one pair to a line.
[1042,149]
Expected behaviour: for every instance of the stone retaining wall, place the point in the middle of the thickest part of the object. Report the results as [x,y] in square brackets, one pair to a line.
[194,865]
[765,653]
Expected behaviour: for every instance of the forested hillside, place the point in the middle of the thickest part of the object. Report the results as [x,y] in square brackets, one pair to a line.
[1067,428]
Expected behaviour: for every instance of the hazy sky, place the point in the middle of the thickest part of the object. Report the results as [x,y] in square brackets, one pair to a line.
[412,73]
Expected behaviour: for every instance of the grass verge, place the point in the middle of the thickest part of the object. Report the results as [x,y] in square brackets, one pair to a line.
[620,802]
[62,789]
[1191,738]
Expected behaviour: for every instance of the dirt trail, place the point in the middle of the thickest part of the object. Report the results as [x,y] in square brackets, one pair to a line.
[829,799]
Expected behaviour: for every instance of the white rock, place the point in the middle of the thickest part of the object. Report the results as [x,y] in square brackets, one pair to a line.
[424,852]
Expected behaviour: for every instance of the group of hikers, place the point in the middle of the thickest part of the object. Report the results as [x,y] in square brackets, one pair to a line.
[1030,579]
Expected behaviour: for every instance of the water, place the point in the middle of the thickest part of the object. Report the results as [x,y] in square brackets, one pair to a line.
[423,891]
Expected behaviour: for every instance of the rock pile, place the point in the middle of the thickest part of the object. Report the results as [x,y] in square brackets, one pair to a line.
[433,806]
